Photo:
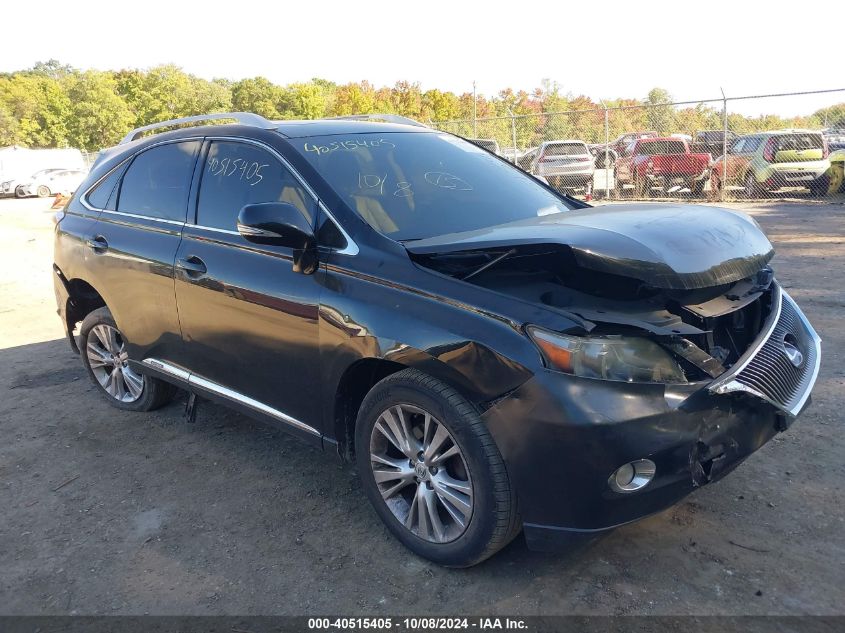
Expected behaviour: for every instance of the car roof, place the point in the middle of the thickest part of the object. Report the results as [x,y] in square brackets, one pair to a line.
[286,129]
[326,127]
[568,140]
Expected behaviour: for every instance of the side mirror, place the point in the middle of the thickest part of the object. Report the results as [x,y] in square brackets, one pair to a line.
[280,224]
[276,224]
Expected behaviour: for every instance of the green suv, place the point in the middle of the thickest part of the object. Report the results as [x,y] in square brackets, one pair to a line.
[767,161]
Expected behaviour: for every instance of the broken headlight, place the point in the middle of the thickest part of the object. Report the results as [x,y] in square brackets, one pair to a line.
[629,359]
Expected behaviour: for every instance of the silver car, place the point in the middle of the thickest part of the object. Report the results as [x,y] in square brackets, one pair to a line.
[564,164]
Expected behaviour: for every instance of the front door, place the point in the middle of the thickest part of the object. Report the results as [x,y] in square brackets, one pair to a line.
[249,322]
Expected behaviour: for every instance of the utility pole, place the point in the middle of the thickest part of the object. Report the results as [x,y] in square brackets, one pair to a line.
[474,112]
[724,146]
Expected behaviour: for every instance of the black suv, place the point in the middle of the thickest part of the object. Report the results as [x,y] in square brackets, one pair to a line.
[496,357]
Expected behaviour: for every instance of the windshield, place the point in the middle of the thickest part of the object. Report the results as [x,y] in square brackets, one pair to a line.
[417,185]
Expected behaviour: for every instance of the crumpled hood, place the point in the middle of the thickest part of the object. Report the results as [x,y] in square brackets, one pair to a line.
[673,247]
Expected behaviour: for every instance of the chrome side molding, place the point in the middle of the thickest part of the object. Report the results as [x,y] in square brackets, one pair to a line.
[230,394]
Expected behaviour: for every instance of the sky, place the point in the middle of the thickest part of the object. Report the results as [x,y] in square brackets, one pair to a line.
[604,50]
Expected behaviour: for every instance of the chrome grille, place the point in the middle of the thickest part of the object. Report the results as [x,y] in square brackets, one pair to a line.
[782,366]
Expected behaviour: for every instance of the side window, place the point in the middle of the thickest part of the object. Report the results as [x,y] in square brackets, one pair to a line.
[157,182]
[237,174]
[751,145]
[737,147]
[100,195]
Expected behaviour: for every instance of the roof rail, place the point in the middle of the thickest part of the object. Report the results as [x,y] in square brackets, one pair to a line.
[387,118]
[244,118]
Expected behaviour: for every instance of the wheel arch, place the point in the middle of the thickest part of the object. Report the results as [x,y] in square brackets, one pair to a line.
[82,300]
[478,373]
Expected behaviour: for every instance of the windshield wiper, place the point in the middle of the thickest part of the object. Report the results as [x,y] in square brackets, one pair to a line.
[487,265]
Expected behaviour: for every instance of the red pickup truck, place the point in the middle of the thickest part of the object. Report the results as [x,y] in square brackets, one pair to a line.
[664,163]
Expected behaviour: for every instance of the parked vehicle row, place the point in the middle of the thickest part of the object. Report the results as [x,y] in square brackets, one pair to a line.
[755,164]
[45,182]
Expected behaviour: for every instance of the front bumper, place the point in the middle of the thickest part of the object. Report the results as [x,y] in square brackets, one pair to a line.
[563,436]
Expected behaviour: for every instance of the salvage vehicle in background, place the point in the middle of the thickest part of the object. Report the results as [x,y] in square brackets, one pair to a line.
[712,142]
[566,164]
[767,161]
[617,146]
[495,356]
[49,182]
[661,163]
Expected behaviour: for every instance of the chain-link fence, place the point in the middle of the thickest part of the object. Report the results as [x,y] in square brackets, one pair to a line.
[713,149]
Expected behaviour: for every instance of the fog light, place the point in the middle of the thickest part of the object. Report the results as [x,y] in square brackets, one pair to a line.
[632,476]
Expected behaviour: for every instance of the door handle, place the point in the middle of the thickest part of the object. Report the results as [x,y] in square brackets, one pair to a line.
[193,266]
[98,244]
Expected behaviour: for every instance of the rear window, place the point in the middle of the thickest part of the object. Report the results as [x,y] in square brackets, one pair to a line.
[661,147]
[100,195]
[565,149]
[788,142]
[157,182]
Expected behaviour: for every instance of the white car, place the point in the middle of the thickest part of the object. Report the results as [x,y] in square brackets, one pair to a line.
[48,182]
[564,164]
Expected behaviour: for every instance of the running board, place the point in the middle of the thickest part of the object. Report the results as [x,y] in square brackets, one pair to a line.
[194,380]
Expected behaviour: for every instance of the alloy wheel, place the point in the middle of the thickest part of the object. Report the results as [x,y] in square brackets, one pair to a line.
[421,473]
[109,362]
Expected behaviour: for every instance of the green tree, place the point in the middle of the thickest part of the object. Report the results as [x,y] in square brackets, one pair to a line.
[303,101]
[39,106]
[660,117]
[99,117]
[52,68]
[257,95]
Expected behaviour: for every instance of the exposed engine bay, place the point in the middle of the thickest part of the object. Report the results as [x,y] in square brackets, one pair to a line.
[707,329]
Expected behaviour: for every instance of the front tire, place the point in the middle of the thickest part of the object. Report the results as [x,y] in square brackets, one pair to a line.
[106,361]
[432,471]
[20,192]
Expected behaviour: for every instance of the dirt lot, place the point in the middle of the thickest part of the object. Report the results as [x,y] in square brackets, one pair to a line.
[105,512]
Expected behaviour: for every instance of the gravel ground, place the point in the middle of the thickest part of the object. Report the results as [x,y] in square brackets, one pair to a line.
[106,512]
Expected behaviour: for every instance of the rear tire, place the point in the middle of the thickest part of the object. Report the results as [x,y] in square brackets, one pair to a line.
[819,187]
[639,187]
[752,188]
[697,187]
[104,356]
[455,532]
[43,191]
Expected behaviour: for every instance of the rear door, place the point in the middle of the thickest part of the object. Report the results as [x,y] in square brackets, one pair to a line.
[131,248]
[249,321]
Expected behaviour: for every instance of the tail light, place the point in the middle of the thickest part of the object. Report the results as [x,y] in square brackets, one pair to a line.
[543,158]
[650,165]
[769,150]
[825,148]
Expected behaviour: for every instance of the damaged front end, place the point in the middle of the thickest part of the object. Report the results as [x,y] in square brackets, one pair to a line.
[689,364]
